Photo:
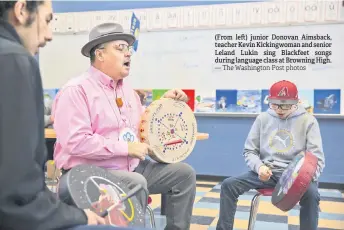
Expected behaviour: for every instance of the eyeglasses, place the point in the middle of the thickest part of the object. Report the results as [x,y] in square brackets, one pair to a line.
[123,48]
[282,106]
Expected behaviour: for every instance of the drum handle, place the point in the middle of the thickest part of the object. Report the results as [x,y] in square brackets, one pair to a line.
[131,193]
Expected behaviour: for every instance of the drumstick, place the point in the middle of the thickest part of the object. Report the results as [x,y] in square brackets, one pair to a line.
[174,142]
[123,199]
[97,185]
[171,143]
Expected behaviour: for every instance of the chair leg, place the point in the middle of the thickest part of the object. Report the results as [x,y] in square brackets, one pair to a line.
[151,216]
[253,211]
[163,204]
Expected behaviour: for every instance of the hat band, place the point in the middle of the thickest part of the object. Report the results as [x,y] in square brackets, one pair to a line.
[107,34]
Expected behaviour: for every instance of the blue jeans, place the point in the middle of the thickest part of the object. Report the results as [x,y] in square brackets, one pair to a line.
[233,187]
[104,227]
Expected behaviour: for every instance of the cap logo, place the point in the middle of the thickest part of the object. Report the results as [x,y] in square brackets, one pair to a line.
[283,92]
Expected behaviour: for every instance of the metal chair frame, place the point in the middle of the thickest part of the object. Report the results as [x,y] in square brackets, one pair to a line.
[151,213]
[255,204]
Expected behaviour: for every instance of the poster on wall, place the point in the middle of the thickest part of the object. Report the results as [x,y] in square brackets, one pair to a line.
[264,100]
[145,95]
[158,93]
[327,101]
[226,100]
[135,30]
[191,96]
[249,101]
[49,97]
[306,99]
[205,101]
[50,94]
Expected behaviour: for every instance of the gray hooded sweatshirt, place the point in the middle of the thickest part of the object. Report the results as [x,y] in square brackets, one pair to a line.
[275,142]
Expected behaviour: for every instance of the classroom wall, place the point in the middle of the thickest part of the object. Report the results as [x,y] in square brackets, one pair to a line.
[221,155]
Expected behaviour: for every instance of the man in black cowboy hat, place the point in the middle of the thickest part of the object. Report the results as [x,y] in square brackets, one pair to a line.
[91,113]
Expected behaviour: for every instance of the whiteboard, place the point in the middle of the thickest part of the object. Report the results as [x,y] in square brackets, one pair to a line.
[185,59]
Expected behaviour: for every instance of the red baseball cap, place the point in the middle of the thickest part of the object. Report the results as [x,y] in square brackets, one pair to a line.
[283,92]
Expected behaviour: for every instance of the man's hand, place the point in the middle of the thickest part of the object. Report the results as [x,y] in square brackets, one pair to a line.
[176,94]
[93,218]
[138,150]
[264,173]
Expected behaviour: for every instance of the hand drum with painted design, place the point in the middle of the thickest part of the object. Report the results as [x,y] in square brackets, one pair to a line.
[170,128]
[294,181]
[91,187]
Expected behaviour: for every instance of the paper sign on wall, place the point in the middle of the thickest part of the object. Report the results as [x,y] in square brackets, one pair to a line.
[135,30]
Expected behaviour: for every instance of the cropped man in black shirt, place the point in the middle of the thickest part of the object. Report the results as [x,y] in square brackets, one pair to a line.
[25,201]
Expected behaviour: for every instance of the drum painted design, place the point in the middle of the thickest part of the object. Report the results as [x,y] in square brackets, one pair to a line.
[294,181]
[170,128]
[91,187]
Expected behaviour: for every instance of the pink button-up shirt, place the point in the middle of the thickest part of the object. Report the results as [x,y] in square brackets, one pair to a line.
[87,122]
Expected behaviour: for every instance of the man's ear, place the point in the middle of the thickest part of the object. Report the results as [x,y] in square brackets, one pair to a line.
[20,12]
[99,55]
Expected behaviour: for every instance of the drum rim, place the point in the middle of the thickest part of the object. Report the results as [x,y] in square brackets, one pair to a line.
[73,195]
[144,125]
[296,189]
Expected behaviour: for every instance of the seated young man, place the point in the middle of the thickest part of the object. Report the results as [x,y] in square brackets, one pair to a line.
[275,138]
